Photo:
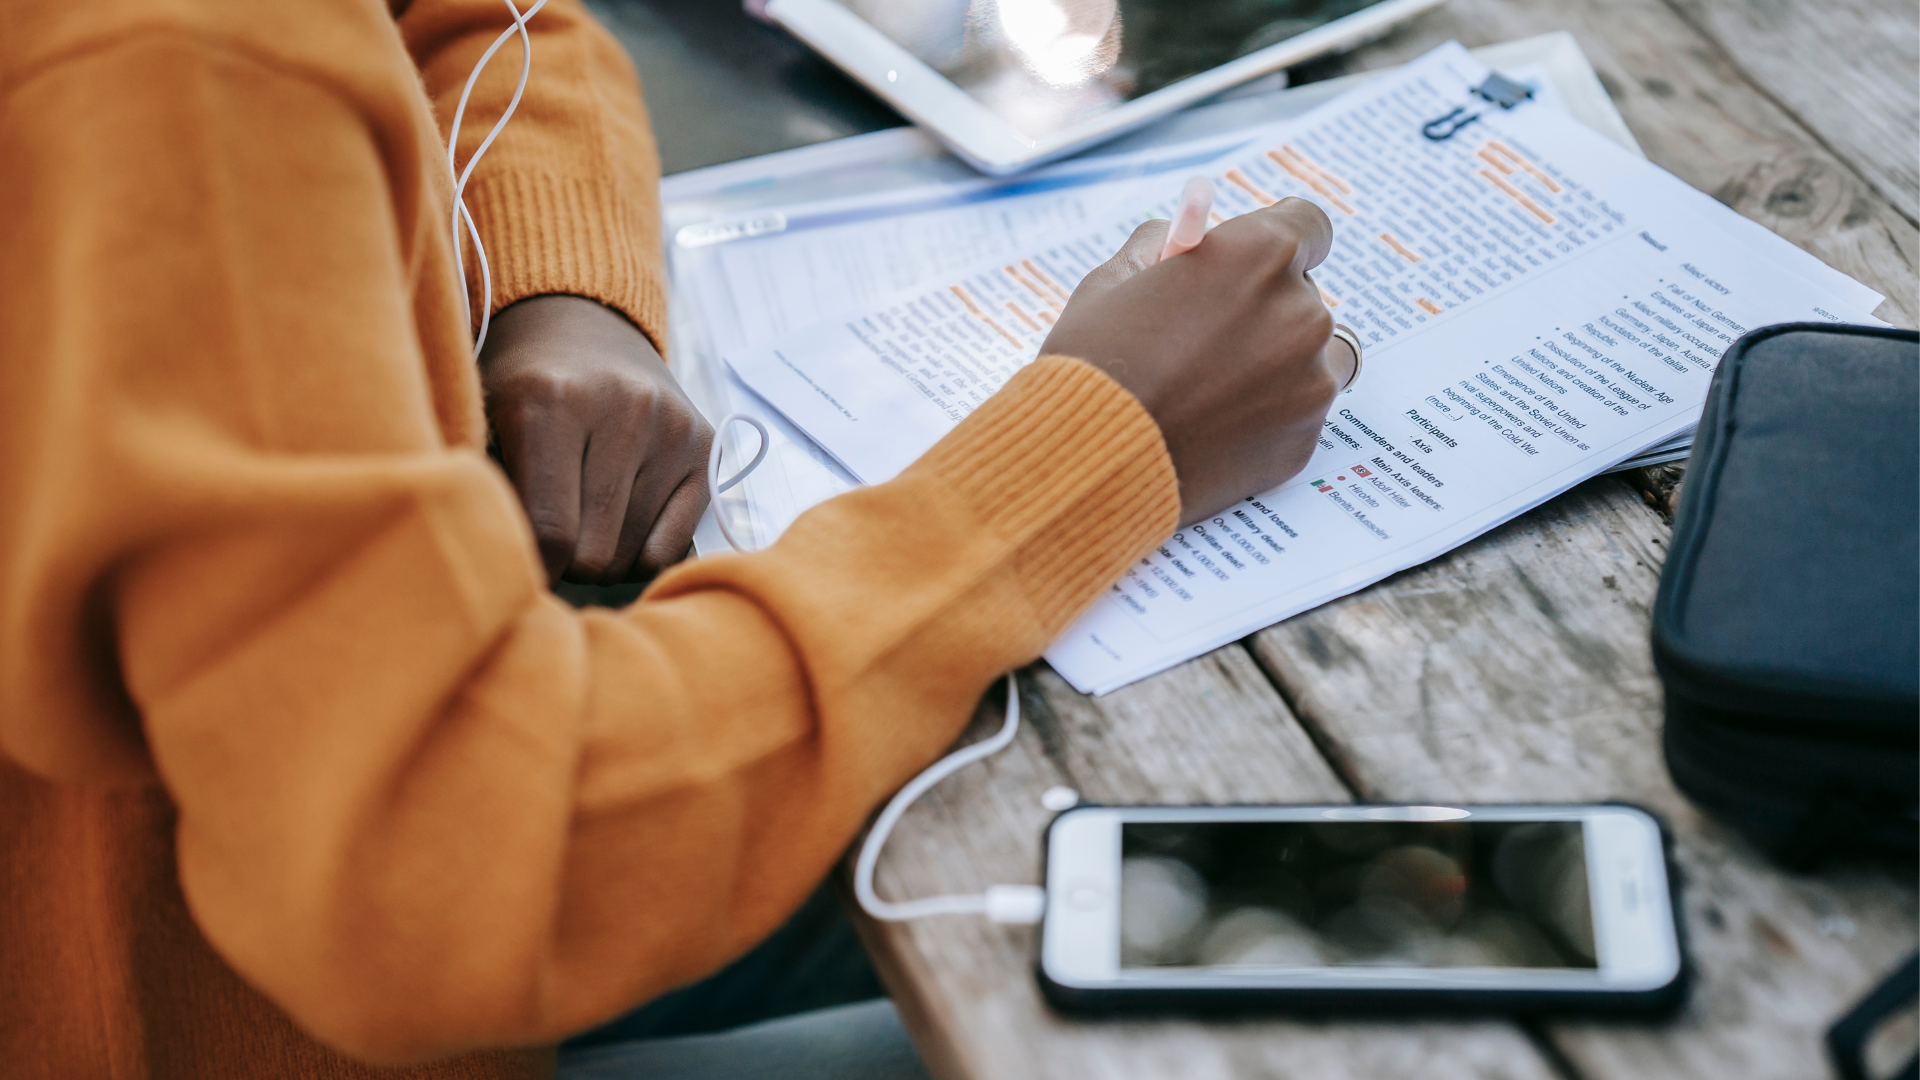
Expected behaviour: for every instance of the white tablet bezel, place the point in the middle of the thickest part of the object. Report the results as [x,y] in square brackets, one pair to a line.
[984,140]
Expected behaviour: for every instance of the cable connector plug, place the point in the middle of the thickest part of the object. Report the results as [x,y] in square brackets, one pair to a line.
[1022,904]
[1018,905]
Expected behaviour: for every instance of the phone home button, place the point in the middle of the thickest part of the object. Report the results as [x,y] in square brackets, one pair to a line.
[1086,896]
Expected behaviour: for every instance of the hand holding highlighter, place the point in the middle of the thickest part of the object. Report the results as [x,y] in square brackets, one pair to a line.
[1226,349]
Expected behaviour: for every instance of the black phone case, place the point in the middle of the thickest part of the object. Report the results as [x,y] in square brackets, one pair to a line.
[1658,1002]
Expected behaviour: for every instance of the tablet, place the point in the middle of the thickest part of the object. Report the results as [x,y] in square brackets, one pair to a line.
[1009,84]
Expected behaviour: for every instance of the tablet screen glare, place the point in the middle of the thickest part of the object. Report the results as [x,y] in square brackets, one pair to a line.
[1046,66]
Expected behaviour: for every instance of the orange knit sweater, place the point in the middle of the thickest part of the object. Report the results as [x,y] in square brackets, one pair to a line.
[300,763]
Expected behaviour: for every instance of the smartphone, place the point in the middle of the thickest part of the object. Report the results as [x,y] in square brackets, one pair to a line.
[1360,908]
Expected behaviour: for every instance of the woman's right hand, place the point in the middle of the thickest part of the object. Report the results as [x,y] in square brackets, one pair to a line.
[1225,345]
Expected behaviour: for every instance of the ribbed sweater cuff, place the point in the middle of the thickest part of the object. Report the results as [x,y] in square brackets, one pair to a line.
[555,234]
[1069,466]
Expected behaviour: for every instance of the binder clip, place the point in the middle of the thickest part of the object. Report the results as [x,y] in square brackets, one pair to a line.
[1497,89]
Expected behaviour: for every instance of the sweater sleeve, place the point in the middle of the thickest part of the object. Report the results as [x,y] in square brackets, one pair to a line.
[423,805]
[565,199]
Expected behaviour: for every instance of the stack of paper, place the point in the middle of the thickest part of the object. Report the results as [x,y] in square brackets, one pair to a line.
[1540,305]
[771,244]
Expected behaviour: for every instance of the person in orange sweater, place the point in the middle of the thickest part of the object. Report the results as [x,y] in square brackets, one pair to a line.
[303,769]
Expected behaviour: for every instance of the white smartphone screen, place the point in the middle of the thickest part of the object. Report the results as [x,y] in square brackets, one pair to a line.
[1045,66]
[1431,894]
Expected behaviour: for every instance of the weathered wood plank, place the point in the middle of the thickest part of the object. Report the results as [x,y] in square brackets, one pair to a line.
[1513,669]
[1848,69]
[1462,686]
[1696,115]
[1209,731]
[1517,668]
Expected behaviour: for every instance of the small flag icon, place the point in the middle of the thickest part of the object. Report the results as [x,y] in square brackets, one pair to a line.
[1322,485]
[1361,470]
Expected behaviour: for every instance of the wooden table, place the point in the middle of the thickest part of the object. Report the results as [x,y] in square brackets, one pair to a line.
[1514,669]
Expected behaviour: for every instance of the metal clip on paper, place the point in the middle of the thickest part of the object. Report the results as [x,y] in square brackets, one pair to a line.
[1497,88]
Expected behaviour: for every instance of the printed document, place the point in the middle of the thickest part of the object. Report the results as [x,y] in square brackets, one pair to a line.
[1538,305]
[767,245]
[754,275]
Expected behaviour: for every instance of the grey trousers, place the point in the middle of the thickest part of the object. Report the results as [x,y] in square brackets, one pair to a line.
[863,1041]
[803,1004]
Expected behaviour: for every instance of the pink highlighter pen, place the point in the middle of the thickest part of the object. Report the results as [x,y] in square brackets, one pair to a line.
[1190,221]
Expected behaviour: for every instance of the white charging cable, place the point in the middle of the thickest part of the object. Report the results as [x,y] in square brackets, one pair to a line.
[461,176]
[1000,903]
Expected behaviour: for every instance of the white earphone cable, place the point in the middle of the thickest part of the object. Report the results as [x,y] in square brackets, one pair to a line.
[714,485]
[461,176]
[1002,903]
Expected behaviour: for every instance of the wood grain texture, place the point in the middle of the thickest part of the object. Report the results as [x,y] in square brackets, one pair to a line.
[1212,730]
[1849,70]
[1517,669]
[1697,115]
